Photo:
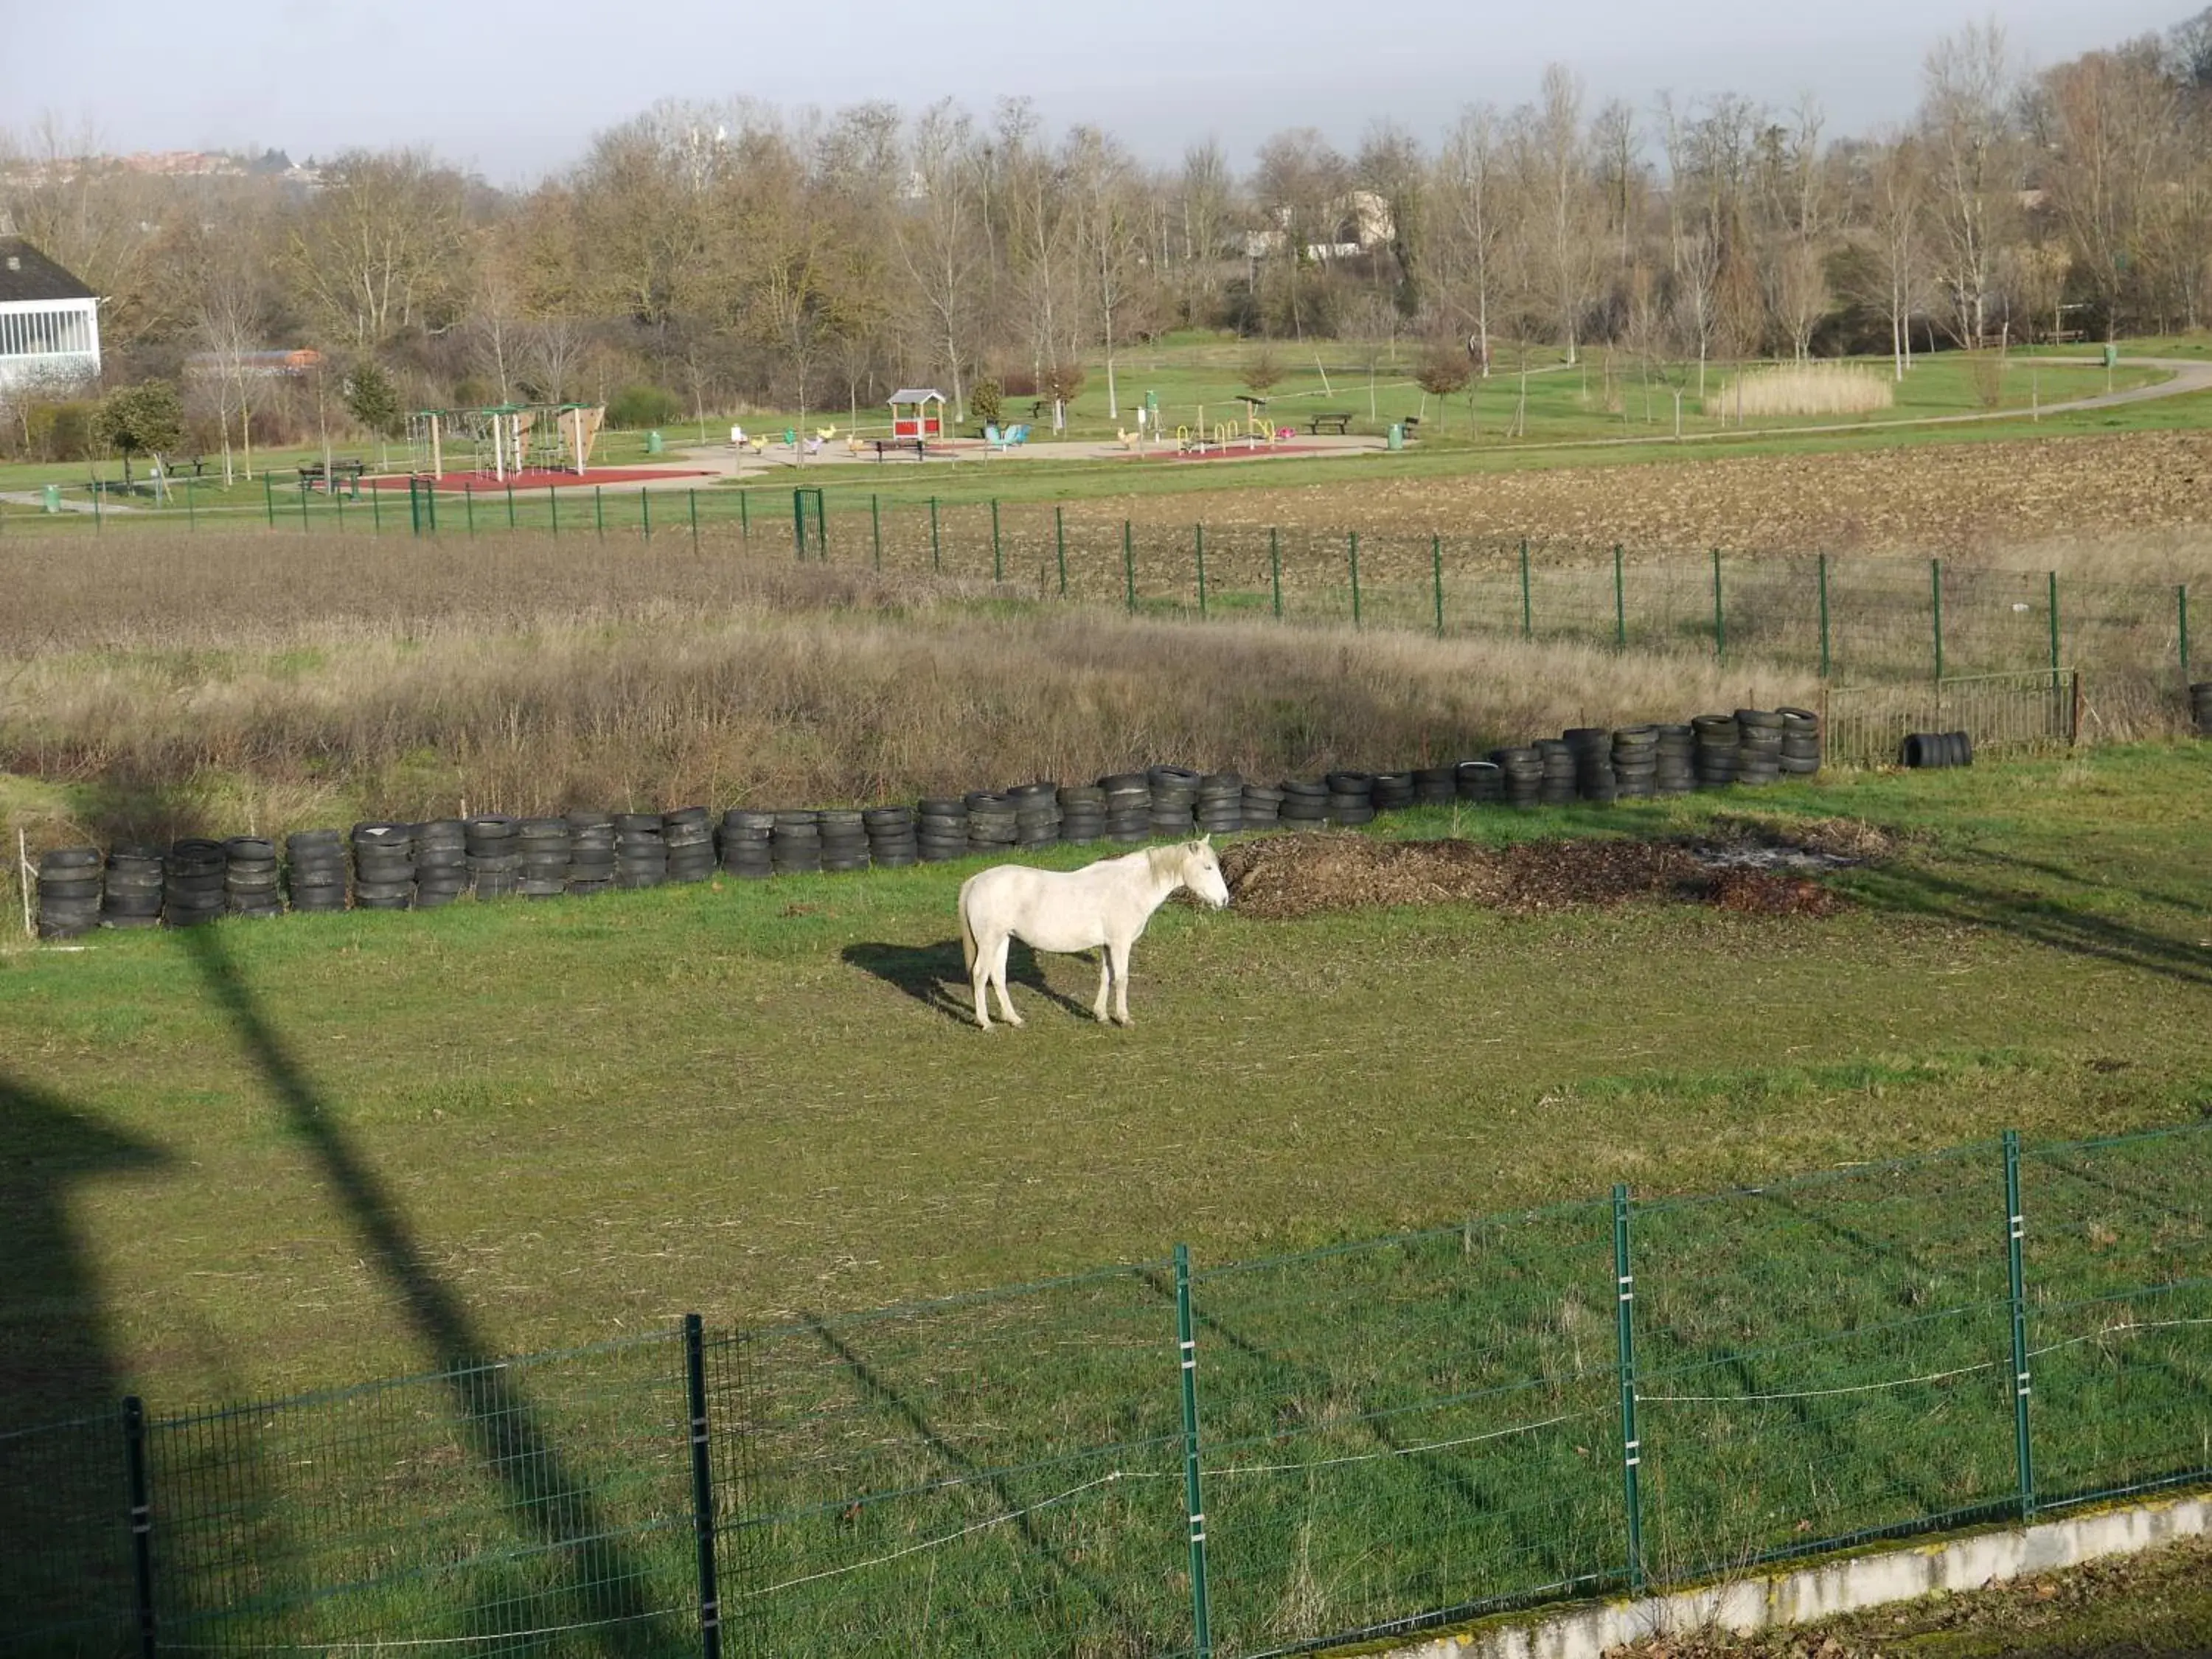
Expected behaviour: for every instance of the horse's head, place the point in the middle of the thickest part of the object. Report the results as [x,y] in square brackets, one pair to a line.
[1201,872]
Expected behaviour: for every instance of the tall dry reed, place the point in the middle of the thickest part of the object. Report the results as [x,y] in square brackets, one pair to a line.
[1808,388]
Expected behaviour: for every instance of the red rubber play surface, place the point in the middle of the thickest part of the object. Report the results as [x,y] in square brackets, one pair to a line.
[483,483]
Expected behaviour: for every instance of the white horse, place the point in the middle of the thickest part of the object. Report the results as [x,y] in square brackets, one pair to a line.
[1104,904]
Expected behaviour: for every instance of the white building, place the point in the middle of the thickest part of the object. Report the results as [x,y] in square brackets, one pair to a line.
[49,321]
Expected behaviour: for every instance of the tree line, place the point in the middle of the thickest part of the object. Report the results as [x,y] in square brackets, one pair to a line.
[709,258]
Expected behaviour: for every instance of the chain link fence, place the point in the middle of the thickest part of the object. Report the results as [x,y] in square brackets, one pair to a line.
[1161,1459]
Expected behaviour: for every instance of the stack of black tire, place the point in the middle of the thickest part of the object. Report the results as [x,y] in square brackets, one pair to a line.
[1522,771]
[441,862]
[541,858]
[1557,786]
[1036,812]
[891,843]
[383,866]
[1436,785]
[794,845]
[131,894]
[640,855]
[192,882]
[1305,804]
[1173,812]
[591,852]
[494,856]
[745,844]
[1351,798]
[993,826]
[1082,813]
[1801,742]
[1128,805]
[1717,742]
[315,871]
[1933,749]
[1393,791]
[1636,762]
[688,835]
[1481,782]
[1758,747]
[2200,707]
[1675,766]
[249,878]
[69,892]
[941,829]
[1261,807]
[844,837]
[1591,748]
[1219,808]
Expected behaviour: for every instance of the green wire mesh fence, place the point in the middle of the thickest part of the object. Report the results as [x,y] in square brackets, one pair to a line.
[1245,1459]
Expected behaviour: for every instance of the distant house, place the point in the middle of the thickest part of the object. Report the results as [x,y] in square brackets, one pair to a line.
[49,320]
[257,365]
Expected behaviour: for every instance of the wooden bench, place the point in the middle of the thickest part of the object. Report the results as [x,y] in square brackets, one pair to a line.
[311,474]
[1342,422]
[1412,425]
[899,446]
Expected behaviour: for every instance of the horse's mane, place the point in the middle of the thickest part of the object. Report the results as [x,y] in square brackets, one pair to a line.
[1172,860]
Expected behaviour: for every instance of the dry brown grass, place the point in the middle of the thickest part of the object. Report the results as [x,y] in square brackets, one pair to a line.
[1817,388]
[357,681]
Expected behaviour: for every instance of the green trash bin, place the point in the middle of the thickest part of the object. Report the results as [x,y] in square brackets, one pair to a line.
[2111,356]
[652,443]
[53,498]
[1397,435]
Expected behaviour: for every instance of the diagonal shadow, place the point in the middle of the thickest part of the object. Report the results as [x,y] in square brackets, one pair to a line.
[877,1391]
[933,975]
[599,1585]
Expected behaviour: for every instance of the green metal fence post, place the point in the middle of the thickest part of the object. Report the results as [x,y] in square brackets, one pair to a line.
[1198,543]
[693,496]
[1821,559]
[1275,569]
[1437,579]
[1720,617]
[1632,1448]
[799,525]
[876,527]
[142,1520]
[1936,611]
[2180,613]
[599,514]
[744,516]
[510,505]
[702,1488]
[645,510]
[998,557]
[1128,569]
[267,496]
[1619,603]
[2016,1233]
[1059,545]
[936,556]
[376,512]
[1528,614]
[430,505]
[468,505]
[338,495]
[553,507]
[415,505]
[2052,605]
[1352,550]
[1194,1497]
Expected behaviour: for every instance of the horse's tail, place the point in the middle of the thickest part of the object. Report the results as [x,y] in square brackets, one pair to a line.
[967,931]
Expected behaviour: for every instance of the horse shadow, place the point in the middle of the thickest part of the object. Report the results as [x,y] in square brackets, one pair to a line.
[934,976]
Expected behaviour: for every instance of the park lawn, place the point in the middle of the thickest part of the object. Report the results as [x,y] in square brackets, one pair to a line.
[242,1153]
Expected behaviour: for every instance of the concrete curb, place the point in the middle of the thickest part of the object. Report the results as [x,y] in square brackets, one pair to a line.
[1790,1596]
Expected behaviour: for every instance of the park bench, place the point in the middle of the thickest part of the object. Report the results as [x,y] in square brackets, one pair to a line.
[311,473]
[1341,421]
[885,445]
[1412,425]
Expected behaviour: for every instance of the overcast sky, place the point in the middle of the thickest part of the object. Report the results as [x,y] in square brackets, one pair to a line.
[515,90]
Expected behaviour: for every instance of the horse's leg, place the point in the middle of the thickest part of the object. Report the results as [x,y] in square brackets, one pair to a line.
[1118,949]
[979,983]
[1105,980]
[998,976]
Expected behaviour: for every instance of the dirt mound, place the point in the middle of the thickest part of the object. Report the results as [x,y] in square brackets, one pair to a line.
[1286,877]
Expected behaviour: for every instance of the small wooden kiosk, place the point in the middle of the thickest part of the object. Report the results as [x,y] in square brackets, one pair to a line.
[917,413]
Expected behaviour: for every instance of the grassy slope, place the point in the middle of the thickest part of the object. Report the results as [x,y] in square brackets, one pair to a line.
[582,1118]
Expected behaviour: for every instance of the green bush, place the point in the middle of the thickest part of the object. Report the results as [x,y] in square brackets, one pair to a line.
[635,406]
[60,431]
[984,401]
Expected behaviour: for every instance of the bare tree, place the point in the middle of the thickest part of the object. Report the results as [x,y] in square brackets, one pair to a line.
[940,234]
[2107,120]
[1898,199]
[1470,222]
[380,248]
[1973,173]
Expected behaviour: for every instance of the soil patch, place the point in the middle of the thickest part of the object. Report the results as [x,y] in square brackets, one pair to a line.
[1285,876]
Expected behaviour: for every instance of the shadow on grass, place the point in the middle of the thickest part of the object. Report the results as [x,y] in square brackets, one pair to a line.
[934,976]
[592,1579]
